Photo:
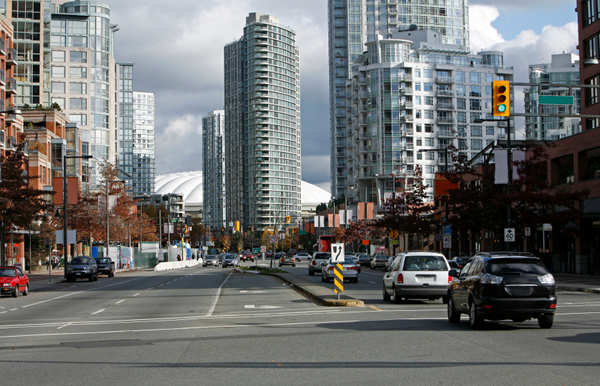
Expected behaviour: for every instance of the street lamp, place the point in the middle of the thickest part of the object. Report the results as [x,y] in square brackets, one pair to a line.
[509,162]
[439,151]
[65,226]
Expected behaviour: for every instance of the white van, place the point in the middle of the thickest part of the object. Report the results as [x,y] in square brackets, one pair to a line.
[417,275]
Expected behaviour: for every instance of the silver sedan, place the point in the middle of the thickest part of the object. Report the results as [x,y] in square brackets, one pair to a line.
[350,271]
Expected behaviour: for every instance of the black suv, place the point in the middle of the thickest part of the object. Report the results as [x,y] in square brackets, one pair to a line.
[502,287]
[105,266]
[82,266]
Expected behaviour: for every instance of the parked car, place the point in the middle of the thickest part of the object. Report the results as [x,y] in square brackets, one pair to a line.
[13,281]
[301,255]
[105,266]
[82,266]
[317,262]
[379,261]
[517,288]
[269,254]
[287,259]
[364,259]
[247,255]
[417,275]
[350,270]
[230,259]
[212,260]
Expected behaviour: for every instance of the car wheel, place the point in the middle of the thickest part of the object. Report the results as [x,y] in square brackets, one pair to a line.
[293,265]
[96,277]
[91,278]
[15,293]
[311,273]
[397,298]
[445,299]
[546,321]
[323,279]
[475,320]
[26,292]
[453,316]
[386,296]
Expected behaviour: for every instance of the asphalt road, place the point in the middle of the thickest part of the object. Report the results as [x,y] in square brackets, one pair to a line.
[211,326]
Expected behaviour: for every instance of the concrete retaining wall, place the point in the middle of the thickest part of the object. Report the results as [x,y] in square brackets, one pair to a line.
[164,266]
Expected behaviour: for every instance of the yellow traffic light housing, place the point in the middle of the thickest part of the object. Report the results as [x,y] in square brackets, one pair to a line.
[501,98]
[288,219]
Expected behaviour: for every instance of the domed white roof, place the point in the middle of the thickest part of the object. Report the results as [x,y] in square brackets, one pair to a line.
[190,185]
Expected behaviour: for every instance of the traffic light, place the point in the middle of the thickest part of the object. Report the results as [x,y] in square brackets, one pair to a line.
[501,98]
[237,226]
[287,219]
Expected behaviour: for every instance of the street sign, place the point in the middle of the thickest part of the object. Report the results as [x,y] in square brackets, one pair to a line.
[394,242]
[447,239]
[337,253]
[263,249]
[527,231]
[274,239]
[555,100]
[394,234]
[509,235]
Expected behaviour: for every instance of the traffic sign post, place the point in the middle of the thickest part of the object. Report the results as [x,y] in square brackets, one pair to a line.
[509,235]
[338,257]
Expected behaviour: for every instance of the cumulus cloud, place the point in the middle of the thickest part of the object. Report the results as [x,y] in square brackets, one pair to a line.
[178,146]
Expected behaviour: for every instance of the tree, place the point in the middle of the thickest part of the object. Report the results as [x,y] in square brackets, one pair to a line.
[20,204]
[407,212]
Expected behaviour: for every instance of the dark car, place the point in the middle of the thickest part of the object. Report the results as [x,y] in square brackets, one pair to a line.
[105,266]
[503,287]
[230,259]
[364,259]
[82,266]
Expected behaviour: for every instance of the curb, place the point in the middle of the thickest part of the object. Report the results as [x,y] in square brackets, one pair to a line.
[324,300]
[578,289]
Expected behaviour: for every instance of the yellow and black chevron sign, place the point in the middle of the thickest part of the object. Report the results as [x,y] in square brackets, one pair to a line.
[339,278]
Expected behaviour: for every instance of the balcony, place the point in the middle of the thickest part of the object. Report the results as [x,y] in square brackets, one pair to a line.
[406,91]
[2,138]
[12,58]
[10,118]
[11,142]
[448,93]
[11,87]
[2,47]
[445,120]
[445,106]
[444,79]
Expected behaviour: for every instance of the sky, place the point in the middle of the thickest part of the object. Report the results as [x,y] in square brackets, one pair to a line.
[178,54]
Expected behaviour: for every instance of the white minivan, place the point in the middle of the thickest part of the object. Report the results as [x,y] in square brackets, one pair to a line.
[417,275]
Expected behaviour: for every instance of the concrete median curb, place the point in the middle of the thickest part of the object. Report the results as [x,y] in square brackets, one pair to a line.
[317,292]
[578,289]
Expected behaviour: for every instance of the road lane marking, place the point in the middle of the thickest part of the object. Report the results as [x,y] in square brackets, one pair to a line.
[375,308]
[372,282]
[135,294]
[120,301]
[214,305]
[14,309]
[63,326]
[97,312]
[261,307]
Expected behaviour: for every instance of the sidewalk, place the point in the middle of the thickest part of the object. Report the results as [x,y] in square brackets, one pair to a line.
[579,283]
[42,279]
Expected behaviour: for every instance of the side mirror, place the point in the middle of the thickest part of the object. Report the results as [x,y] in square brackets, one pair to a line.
[453,273]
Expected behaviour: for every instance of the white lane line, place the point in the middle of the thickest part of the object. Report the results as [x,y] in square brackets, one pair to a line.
[14,309]
[63,326]
[335,322]
[372,282]
[97,312]
[2,307]
[3,312]
[120,301]
[160,285]
[261,307]
[135,294]
[151,288]
[214,305]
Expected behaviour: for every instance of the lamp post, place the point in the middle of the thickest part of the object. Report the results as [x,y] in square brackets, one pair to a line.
[65,226]
[509,164]
[439,150]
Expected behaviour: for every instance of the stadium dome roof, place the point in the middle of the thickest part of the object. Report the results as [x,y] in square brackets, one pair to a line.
[190,185]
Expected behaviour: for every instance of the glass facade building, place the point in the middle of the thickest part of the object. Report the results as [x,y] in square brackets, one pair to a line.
[410,98]
[352,23]
[213,170]
[555,79]
[125,89]
[262,125]
[144,165]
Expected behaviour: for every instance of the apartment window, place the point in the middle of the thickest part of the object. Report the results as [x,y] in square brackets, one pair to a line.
[591,12]
[461,103]
[475,104]
[489,130]
[79,118]
[78,57]
[78,73]
[60,102]
[476,144]
[78,88]
[58,87]
[58,72]
[474,77]
[462,144]
[78,104]
[58,56]
[429,141]
[592,93]
[476,131]
[77,41]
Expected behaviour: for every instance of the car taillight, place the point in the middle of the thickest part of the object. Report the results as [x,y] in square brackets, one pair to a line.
[351,268]
[330,268]
[552,305]
[293,259]
[486,306]
[400,278]
[491,279]
[314,262]
[282,259]
[449,278]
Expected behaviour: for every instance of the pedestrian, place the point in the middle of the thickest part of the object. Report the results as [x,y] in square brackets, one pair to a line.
[178,257]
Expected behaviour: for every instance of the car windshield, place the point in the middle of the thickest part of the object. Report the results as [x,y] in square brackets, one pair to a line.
[8,272]
[512,266]
[322,255]
[424,263]
[103,261]
[81,260]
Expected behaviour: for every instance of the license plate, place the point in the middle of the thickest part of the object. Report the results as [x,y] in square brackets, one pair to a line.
[78,273]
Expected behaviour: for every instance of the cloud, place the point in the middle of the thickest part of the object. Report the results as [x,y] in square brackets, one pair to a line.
[178,146]
[315,169]
[521,4]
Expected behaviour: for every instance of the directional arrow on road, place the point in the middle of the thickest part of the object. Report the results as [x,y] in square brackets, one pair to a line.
[261,307]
